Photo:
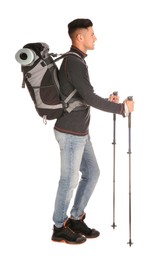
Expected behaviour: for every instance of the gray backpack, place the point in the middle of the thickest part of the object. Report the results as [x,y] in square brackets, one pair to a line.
[40,74]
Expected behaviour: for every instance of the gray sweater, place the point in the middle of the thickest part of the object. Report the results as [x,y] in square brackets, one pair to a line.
[73,74]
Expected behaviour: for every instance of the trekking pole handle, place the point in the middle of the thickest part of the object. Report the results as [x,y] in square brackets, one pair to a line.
[115,93]
[129,117]
[130,97]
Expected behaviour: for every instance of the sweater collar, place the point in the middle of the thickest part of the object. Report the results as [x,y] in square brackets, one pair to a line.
[78,51]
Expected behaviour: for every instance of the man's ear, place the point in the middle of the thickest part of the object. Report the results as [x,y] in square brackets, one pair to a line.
[79,37]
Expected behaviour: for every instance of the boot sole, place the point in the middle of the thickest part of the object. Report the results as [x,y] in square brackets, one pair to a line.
[62,240]
[91,236]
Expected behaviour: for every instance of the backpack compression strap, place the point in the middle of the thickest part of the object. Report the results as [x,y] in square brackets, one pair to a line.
[75,103]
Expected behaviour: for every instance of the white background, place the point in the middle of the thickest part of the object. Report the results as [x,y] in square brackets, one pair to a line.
[124,60]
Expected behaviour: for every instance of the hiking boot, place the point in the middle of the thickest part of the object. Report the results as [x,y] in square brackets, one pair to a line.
[65,234]
[79,226]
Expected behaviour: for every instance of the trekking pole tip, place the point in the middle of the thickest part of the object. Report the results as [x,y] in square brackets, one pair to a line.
[113,226]
[130,242]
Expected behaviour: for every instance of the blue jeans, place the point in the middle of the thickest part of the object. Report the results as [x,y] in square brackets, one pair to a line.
[77,156]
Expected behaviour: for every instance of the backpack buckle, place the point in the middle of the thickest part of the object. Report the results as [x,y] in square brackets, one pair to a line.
[65,105]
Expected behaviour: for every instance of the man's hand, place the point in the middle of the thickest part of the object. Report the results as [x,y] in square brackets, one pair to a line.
[129,106]
[114,98]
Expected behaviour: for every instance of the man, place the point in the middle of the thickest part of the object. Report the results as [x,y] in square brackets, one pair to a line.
[72,133]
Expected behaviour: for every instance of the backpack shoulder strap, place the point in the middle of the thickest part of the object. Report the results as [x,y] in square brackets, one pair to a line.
[76,103]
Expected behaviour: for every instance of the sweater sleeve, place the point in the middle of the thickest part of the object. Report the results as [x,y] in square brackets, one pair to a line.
[77,73]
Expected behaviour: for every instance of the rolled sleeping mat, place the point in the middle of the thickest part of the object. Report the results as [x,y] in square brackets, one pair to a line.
[25,57]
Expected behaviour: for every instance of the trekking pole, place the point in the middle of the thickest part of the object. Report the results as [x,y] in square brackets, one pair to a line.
[129,153]
[114,143]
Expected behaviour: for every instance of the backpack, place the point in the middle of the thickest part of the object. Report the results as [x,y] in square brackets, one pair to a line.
[40,74]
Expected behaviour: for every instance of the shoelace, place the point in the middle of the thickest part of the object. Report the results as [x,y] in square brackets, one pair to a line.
[84,225]
[69,232]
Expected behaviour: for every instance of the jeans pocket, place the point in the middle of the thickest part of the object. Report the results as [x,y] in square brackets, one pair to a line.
[61,139]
